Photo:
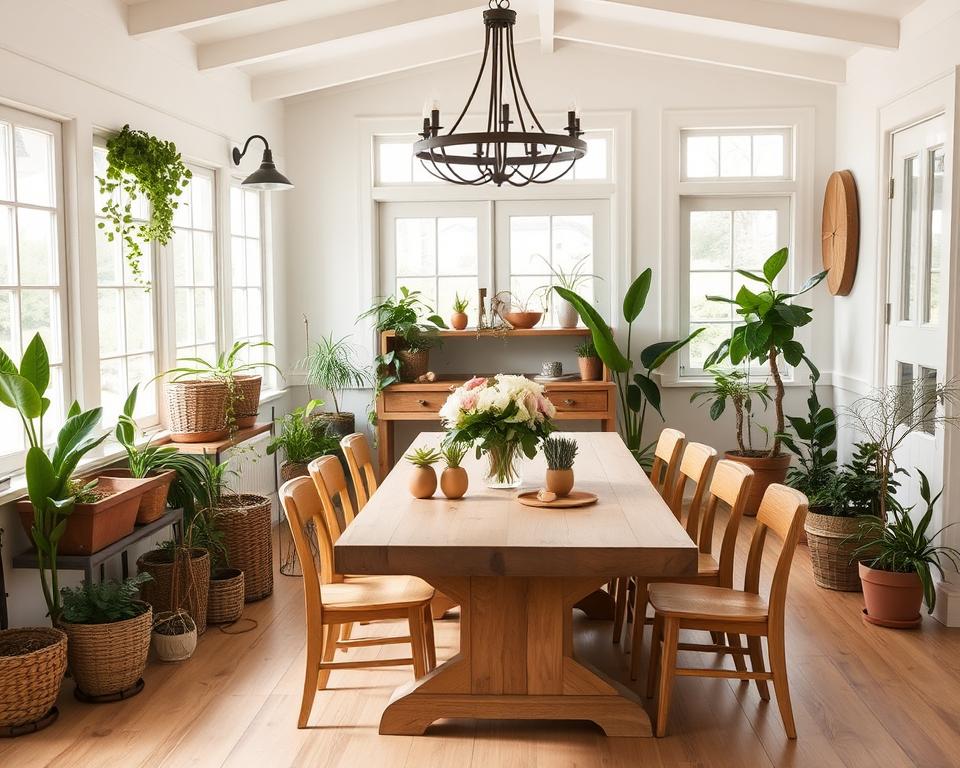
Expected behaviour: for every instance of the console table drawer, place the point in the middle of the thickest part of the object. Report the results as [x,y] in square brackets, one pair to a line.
[427,403]
[593,401]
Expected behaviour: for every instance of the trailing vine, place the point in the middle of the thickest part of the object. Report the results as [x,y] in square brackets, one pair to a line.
[141,164]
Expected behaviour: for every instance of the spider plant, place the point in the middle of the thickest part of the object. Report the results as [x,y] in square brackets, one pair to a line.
[575,277]
[331,366]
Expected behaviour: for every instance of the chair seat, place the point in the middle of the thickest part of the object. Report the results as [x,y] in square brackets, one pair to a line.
[711,603]
[360,593]
[707,565]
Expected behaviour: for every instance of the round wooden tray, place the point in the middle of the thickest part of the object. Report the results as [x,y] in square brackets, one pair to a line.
[574,499]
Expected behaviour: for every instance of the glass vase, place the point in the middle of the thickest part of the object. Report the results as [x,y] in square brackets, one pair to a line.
[503,470]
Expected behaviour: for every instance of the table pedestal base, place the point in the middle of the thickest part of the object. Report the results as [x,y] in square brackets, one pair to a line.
[516,661]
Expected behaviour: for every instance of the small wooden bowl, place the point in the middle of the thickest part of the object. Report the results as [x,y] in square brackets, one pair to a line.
[522,319]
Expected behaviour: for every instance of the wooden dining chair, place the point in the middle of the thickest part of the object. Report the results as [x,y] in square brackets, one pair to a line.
[359,460]
[736,612]
[332,601]
[666,460]
[730,484]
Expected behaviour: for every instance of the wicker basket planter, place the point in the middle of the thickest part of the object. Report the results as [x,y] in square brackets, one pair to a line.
[246,400]
[192,583]
[197,410]
[32,663]
[110,658]
[292,469]
[225,604]
[174,636]
[245,522]
[153,503]
[339,424]
[832,540]
[413,363]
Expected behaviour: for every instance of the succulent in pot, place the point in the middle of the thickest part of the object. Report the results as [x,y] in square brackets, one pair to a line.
[454,480]
[415,332]
[423,479]
[459,317]
[560,453]
[591,367]
[331,366]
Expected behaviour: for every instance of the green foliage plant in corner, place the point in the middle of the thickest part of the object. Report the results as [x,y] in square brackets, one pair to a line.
[139,164]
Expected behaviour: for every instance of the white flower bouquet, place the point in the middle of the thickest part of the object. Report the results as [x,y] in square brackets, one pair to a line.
[505,416]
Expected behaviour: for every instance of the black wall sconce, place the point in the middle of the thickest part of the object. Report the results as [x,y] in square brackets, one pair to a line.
[266,177]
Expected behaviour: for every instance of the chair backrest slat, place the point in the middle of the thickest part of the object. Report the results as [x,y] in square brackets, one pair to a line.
[666,459]
[730,484]
[301,505]
[696,466]
[359,460]
[331,483]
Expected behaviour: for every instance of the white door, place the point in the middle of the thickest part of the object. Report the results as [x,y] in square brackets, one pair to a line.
[918,284]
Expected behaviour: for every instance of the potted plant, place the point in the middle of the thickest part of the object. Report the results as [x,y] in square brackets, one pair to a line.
[506,417]
[519,313]
[423,479]
[567,315]
[226,596]
[769,322]
[560,453]
[591,367]
[209,400]
[301,439]
[108,629]
[32,663]
[453,480]
[413,337]
[174,636]
[459,318]
[331,366]
[898,558]
[638,391]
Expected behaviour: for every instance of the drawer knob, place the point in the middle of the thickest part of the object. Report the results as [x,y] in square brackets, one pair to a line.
[568,401]
[422,403]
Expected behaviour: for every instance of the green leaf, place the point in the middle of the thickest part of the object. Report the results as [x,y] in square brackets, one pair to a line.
[437,321]
[657,354]
[636,296]
[747,299]
[73,432]
[41,478]
[603,339]
[131,402]
[650,391]
[752,276]
[634,397]
[793,315]
[6,364]
[19,393]
[775,264]
[716,410]
[35,366]
[793,352]
[811,282]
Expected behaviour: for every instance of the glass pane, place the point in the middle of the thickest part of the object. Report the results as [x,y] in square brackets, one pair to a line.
[735,156]
[416,246]
[911,237]
[702,156]
[754,238]
[140,370]
[184,319]
[55,416]
[928,381]
[238,261]
[255,311]
[38,246]
[239,313]
[710,239]
[113,392]
[254,263]
[768,155]
[394,165]
[139,319]
[236,211]
[205,314]
[203,270]
[905,394]
[703,284]
[39,313]
[109,256]
[448,288]
[426,285]
[251,213]
[183,212]
[34,161]
[202,201]
[706,342]
[529,244]
[457,246]
[530,291]
[8,248]
[11,432]
[8,322]
[594,163]
[937,237]
[572,242]
[110,314]
[6,166]
[420,174]
[183,257]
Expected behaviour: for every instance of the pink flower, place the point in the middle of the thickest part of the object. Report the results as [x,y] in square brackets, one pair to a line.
[545,407]
[469,402]
[475,383]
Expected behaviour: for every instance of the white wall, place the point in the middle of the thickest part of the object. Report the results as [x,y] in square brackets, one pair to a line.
[73,60]
[324,227]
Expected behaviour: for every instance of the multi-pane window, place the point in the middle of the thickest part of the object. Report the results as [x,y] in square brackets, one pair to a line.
[194,268]
[31,259]
[736,153]
[247,268]
[126,312]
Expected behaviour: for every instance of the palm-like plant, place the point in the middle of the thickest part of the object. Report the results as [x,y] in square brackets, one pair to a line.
[331,366]
[735,386]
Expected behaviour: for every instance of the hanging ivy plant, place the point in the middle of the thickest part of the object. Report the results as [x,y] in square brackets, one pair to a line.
[141,164]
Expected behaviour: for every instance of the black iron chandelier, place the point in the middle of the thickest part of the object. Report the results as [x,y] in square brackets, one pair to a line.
[526,155]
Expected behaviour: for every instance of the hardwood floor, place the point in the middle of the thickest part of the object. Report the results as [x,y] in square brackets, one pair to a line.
[863,696]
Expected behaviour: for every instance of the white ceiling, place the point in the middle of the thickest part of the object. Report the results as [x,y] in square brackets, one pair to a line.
[288,47]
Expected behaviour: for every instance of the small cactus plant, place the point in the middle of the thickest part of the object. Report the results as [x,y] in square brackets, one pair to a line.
[423,457]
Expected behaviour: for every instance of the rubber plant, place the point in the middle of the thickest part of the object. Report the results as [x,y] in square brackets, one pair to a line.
[48,476]
[639,391]
[141,164]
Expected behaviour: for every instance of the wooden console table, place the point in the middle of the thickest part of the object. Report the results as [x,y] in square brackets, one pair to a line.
[573,398]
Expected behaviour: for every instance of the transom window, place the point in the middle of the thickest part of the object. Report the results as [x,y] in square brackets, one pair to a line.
[736,153]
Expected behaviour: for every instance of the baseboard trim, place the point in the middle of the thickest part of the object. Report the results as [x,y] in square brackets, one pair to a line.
[947,611]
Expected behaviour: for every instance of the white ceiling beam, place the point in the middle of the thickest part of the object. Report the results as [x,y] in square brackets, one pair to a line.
[864,28]
[165,15]
[702,48]
[273,43]
[546,10]
[385,61]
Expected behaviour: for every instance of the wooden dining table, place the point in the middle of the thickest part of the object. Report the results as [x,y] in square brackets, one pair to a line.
[517,572]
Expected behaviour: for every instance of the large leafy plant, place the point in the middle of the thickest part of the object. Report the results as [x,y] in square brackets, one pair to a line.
[769,322]
[812,440]
[639,391]
[48,475]
[412,320]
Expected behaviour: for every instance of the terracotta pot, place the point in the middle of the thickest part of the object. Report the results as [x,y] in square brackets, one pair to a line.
[247,403]
[591,369]
[413,363]
[454,482]
[522,319]
[766,472]
[91,527]
[458,320]
[892,599]
[423,482]
[153,503]
[339,424]
[560,481]
[567,315]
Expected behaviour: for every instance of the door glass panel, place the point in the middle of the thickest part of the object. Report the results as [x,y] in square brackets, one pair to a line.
[936,236]
[928,389]
[911,237]
[905,392]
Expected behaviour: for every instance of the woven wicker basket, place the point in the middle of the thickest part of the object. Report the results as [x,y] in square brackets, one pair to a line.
[832,542]
[109,658]
[247,400]
[193,584]
[226,596]
[175,647]
[413,363]
[30,682]
[197,410]
[245,522]
[292,469]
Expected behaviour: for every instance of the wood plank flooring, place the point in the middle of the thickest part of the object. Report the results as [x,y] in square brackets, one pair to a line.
[863,696]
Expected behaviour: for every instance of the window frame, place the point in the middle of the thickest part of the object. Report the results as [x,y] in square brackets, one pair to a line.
[788,155]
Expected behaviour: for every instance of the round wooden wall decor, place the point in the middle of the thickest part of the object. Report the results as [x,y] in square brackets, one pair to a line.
[840,232]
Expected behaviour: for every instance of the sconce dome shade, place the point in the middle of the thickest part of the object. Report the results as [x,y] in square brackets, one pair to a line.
[266,178]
